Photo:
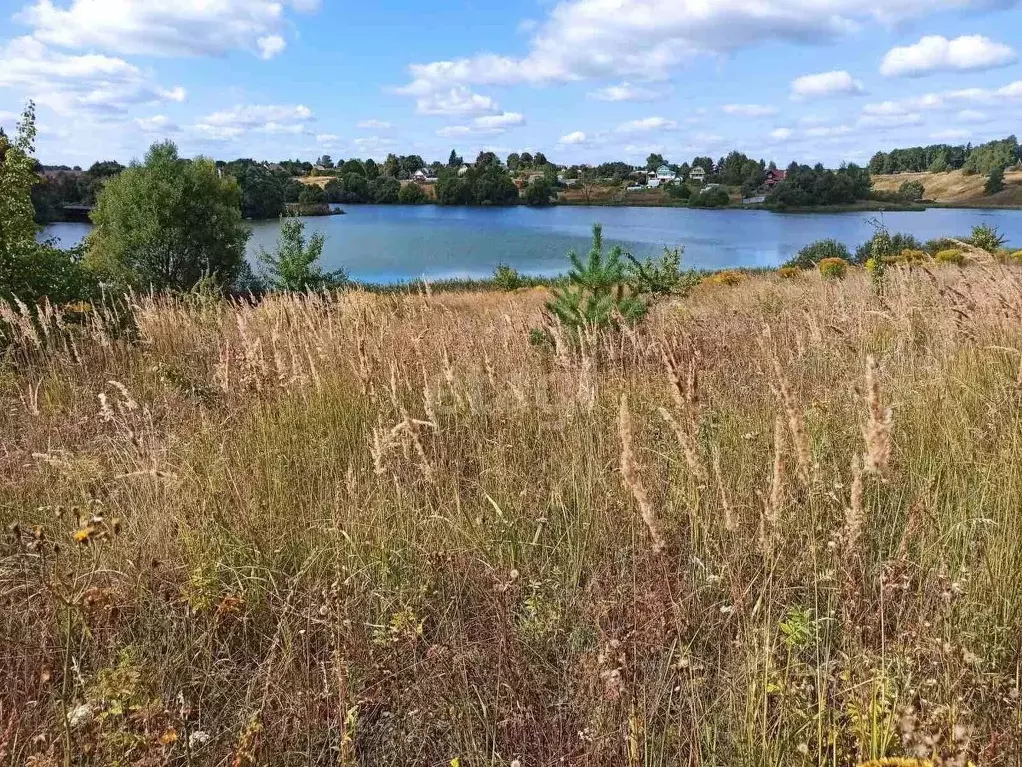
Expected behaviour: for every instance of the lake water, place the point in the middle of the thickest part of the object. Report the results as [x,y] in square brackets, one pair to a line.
[398,243]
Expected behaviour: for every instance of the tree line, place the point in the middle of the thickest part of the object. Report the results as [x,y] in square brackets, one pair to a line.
[939,158]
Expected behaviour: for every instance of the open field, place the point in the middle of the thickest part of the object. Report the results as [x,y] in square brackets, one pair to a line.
[956,188]
[778,524]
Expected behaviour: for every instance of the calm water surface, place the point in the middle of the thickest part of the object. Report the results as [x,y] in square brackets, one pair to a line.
[398,243]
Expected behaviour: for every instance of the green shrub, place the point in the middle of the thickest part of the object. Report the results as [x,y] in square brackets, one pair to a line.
[950,257]
[663,276]
[911,191]
[712,197]
[815,252]
[728,277]
[988,238]
[884,245]
[833,268]
[412,194]
[507,278]
[911,256]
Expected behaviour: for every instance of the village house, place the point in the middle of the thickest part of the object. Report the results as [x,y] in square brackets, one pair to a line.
[665,175]
[697,174]
[774,177]
[424,176]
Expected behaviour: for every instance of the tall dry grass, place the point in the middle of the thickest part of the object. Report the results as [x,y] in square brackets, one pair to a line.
[776,525]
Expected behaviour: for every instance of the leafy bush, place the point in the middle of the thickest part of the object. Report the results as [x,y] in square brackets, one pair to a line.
[663,276]
[987,237]
[911,191]
[937,244]
[507,278]
[833,268]
[729,277]
[815,252]
[884,245]
[950,257]
[538,193]
[412,194]
[911,256]
[713,197]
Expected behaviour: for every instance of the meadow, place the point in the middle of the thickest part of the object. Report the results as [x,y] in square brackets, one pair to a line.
[777,524]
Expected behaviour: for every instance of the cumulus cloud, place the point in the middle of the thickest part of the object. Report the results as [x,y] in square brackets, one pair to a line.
[74,84]
[271,118]
[781,134]
[948,100]
[458,100]
[934,53]
[625,92]
[971,116]
[825,85]
[157,124]
[270,46]
[375,125]
[646,39]
[163,27]
[327,139]
[573,139]
[951,134]
[647,125]
[749,110]
[487,125]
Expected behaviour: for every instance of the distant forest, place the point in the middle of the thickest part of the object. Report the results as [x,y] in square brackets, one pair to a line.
[938,158]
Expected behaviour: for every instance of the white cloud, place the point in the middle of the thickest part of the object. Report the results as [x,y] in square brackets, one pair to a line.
[647,39]
[573,139]
[828,131]
[375,145]
[163,27]
[270,46]
[156,124]
[270,118]
[781,134]
[625,92]
[455,101]
[890,121]
[934,53]
[375,125]
[749,110]
[647,125]
[75,84]
[951,134]
[948,100]
[327,139]
[487,125]
[825,85]
[971,116]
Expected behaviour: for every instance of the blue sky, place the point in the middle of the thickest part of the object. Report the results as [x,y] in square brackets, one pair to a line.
[581,80]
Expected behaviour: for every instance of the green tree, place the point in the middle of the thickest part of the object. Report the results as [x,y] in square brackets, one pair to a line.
[312,194]
[597,294]
[912,191]
[538,192]
[995,181]
[356,188]
[412,194]
[262,193]
[391,166]
[654,161]
[168,223]
[294,265]
[455,161]
[17,177]
[514,161]
[664,276]
[384,190]
[987,237]
[325,161]
[372,169]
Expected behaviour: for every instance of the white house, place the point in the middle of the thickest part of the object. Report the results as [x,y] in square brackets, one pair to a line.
[423,176]
[653,183]
[665,175]
[698,174]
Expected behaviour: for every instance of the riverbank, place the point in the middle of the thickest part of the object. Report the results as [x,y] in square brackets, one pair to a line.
[395,530]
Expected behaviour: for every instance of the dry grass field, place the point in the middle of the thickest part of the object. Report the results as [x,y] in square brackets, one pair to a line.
[777,525]
[955,188]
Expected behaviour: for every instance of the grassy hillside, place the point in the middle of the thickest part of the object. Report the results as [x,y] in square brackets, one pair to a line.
[778,524]
[957,188]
